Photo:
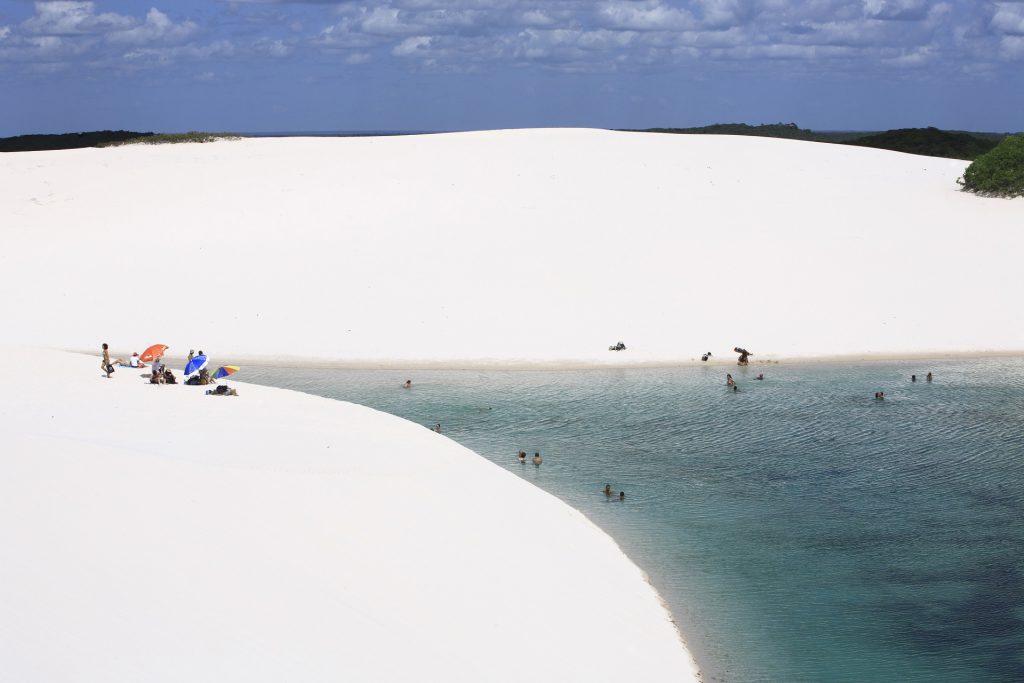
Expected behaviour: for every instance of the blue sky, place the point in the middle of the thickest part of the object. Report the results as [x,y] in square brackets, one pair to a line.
[293,65]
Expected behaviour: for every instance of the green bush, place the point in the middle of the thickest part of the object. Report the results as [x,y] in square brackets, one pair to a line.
[173,138]
[1000,173]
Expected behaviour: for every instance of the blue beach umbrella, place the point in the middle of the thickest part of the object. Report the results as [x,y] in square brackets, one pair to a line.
[195,365]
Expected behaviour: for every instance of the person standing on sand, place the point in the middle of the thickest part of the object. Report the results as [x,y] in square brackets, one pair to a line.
[105,363]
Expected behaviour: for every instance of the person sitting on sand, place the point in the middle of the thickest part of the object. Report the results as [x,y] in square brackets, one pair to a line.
[135,361]
[408,384]
[729,381]
[537,460]
[169,377]
[522,457]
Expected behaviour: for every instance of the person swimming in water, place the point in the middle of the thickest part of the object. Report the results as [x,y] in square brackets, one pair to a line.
[622,495]
[537,460]
[522,457]
[760,377]
[928,377]
[608,490]
[408,384]
[913,378]
[729,381]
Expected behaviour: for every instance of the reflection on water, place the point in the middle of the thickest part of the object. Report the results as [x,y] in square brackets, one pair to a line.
[798,529]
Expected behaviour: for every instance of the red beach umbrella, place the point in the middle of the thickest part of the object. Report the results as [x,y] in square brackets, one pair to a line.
[154,351]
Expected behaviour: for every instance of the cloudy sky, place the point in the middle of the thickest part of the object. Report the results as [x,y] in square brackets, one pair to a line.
[307,65]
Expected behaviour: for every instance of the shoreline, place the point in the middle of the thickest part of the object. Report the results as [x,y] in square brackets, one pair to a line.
[322,534]
[578,364]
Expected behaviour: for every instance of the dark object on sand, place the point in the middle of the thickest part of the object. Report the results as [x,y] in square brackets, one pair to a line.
[744,355]
[706,356]
[618,347]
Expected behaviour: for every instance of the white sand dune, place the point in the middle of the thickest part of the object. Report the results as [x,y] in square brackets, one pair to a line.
[508,246]
[152,533]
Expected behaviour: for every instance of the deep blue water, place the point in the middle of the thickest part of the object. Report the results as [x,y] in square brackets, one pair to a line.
[798,529]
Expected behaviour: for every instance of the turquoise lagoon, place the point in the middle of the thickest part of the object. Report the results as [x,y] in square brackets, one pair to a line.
[798,529]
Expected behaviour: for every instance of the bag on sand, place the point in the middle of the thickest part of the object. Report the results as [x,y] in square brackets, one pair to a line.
[109,368]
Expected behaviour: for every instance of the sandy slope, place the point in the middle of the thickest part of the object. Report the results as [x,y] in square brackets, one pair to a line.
[157,534]
[536,244]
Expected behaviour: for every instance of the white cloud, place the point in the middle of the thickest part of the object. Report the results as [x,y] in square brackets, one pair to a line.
[271,48]
[411,46]
[897,10]
[1011,47]
[157,27]
[66,18]
[1009,18]
[646,15]
[165,55]
[357,58]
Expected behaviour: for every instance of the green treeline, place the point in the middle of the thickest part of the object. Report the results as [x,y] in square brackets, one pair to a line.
[102,138]
[38,143]
[924,141]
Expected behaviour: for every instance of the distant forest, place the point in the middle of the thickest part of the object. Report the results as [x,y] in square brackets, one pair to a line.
[932,142]
[39,143]
[926,141]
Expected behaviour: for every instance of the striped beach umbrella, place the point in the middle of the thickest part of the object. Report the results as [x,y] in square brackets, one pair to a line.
[225,370]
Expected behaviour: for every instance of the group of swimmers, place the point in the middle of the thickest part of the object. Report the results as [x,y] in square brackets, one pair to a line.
[608,493]
[879,395]
[537,460]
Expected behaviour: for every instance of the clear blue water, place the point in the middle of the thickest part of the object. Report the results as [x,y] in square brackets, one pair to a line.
[799,530]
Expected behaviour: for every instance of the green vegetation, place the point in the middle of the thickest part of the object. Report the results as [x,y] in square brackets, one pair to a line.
[930,142]
[924,141]
[36,143]
[172,138]
[103,138]
[1000,173]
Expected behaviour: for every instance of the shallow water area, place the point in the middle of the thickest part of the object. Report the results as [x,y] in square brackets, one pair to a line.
[798,529]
